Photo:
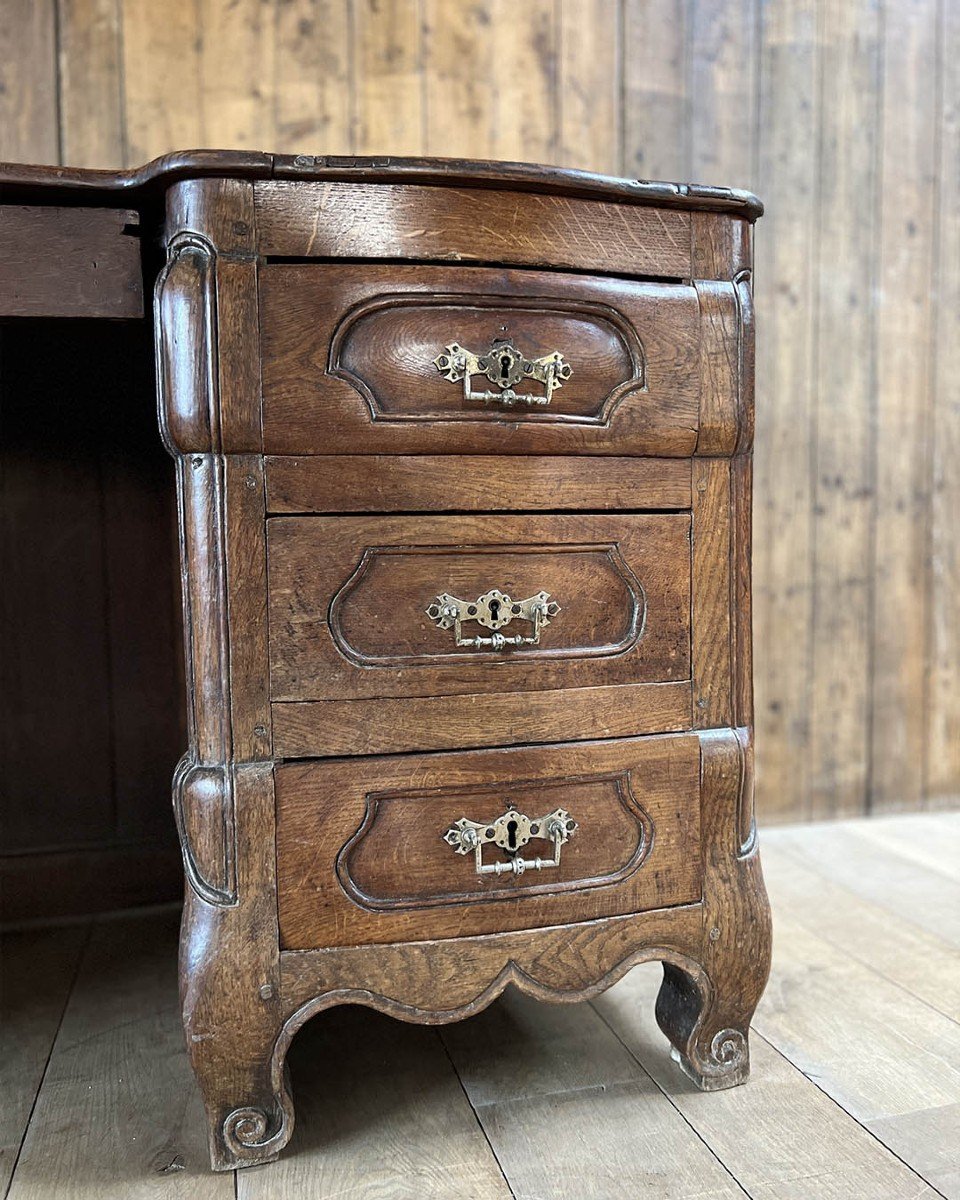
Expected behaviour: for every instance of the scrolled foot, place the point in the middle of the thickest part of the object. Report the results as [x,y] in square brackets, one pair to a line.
[249,1136]
[710,1042]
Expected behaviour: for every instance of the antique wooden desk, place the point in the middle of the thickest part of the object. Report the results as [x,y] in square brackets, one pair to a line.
[463,462]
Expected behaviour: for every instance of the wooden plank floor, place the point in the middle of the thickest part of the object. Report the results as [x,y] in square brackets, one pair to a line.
[855,1093]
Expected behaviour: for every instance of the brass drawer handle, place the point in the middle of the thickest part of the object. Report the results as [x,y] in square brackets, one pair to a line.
[504,365]
[493,610]
[511,832]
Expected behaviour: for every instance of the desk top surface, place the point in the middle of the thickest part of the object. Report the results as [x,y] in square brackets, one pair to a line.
[25,184]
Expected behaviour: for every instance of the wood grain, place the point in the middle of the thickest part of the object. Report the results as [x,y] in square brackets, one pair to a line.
[419,1138]
[699,97]
[927,899]
[722,78]
[899,1060]
[817,1144]
[389,70]
[161,79]
[656,107]
[783,515]
[609,1087]
[483,719]
[91,81]
[904,331]
[69,262]
[840,759]
[236,54]
[577,1076]
[348,597]
[358,483]
[522,75]
[349,361]
[861,927]
[711,617]
[121,1028]
[312,77]
[458,54]
[346,220]
[942,735]
[28,99]
[587,84]
[38,972]
[625,795]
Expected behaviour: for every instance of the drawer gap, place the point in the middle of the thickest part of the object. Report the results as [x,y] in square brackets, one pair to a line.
[460,264]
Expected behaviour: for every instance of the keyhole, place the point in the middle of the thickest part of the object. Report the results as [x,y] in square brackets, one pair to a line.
[504,365]
[494,610]
[512,834]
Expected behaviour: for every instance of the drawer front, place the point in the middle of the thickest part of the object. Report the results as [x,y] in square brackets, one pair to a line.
[375,607]
[387,359]
[413,848]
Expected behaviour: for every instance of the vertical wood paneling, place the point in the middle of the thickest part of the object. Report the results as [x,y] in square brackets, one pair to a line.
[841,114]
[161,78]
[656,111]
[523,80]
[458,53]
[723,91]
[589,85]
[91,82]
[236,72]
[389,77]
[943,729]
[787,175]
[312,79]
[28,82]
[903,358]
[844,426]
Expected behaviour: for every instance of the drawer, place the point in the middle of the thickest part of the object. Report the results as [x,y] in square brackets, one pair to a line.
[394,606]
[379,358]
[382,849]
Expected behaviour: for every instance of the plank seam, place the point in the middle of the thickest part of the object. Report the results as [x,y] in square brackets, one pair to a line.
[666,1095]
[81,956]
[476,1115]
[812,1079]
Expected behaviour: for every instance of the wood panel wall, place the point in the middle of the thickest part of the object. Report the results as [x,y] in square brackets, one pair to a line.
[841,114]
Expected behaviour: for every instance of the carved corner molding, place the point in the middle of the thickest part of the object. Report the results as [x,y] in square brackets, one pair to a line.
[185,324]
[188,410]
[203,807]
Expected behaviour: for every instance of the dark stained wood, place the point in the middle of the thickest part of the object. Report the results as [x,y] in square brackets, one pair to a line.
[358,483]
[162,172]
[704,1013]
[348,597]
[357,666]
[361,855]
[453,722]
[653,611]
[69,262]
[347,220]
[349,361]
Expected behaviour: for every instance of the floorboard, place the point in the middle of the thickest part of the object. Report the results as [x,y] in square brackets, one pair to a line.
[380,1113]
[781,1136]
[118,1117]
[864,930]
[570,1113]
[855,1092]
[37,968]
